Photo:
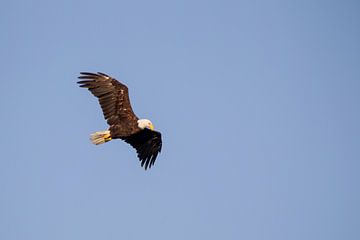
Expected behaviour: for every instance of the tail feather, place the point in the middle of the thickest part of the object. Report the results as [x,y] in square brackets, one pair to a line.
[100,137]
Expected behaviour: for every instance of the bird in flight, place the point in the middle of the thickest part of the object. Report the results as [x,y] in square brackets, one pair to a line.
[114,100]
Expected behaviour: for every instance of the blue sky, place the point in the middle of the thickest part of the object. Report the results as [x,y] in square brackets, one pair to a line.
[257,101]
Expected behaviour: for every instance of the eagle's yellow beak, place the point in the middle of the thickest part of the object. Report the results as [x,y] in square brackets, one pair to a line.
[152,127]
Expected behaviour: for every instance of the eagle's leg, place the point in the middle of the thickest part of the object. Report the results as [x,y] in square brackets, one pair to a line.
[107,137]
[100,137]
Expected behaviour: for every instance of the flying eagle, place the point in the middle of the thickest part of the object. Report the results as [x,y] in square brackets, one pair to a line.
[124,124]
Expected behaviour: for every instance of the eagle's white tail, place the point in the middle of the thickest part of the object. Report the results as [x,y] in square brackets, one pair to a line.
[100,137]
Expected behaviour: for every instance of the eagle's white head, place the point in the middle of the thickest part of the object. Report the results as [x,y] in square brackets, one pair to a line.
[145,123]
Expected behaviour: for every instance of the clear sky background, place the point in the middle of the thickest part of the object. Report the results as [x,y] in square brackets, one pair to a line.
[257,101]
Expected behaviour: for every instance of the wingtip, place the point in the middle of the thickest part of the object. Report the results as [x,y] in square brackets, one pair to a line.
[88,73]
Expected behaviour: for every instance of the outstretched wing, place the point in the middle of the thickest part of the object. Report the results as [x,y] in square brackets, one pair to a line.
[147,143]
[113,97]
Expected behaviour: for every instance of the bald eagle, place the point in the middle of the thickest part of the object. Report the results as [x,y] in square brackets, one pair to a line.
[114,100]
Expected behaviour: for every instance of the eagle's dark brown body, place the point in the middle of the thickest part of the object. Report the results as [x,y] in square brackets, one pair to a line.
[115,103]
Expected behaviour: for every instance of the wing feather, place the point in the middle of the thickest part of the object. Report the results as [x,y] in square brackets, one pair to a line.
[113,97]
[148,144]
